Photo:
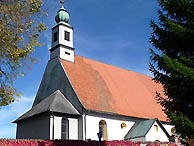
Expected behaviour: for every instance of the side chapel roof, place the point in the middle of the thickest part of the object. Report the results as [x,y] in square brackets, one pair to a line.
[56,102]
[141,128]
[106,88]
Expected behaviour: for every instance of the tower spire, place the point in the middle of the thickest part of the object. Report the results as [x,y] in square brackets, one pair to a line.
[62,36]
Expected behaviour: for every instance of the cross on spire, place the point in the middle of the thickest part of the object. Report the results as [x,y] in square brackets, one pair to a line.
[62,2]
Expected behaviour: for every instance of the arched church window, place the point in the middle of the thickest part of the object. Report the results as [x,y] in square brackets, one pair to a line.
[64,128]
[173,131]
[123,125]
[156,128]
[103,125]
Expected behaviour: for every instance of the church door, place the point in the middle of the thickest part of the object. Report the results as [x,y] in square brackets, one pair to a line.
[103,124]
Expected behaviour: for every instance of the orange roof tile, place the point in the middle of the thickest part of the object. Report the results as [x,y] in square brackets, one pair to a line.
[102,87]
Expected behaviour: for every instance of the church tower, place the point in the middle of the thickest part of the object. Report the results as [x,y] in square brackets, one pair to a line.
[62,36]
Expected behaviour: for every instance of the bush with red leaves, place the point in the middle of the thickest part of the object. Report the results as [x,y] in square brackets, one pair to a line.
[6,142]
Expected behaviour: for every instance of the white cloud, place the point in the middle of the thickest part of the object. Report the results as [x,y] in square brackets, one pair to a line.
[21,106]
[10,113]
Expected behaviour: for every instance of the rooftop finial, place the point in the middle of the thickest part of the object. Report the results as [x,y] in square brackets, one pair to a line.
[62,14]
[62,2]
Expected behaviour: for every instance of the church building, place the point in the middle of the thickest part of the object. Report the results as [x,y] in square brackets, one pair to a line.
[80,98]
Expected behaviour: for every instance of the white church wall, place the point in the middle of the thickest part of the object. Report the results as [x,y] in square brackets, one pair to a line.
[156,133]
[73,128]
[138,139]
[67,54]
[57,127]
[61,35]
[63,53]
[168,128]
[115,132]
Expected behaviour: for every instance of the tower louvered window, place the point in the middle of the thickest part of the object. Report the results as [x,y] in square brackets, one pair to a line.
[55,36]
[67,36]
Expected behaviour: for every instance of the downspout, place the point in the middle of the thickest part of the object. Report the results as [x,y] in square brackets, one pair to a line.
[53,126]
[85,125]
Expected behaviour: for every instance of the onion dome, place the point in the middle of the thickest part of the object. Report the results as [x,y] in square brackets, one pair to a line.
[62,16]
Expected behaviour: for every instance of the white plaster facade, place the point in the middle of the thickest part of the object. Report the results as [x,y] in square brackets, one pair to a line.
[90,129]
[55,128]
[168,128]
[60,29]
[115,132]
[63,53]
[156,133]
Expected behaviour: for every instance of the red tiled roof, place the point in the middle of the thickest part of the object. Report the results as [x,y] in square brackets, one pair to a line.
[102,87]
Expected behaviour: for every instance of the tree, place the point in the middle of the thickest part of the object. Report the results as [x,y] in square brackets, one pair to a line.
[19,35]
[172,61]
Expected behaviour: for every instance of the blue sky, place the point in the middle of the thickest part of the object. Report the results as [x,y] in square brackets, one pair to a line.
[115,32]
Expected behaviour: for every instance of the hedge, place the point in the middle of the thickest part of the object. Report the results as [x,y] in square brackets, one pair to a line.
[8,142]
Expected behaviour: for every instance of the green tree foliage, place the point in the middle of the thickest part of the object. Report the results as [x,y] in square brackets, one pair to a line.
[19,34]
[172,61]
